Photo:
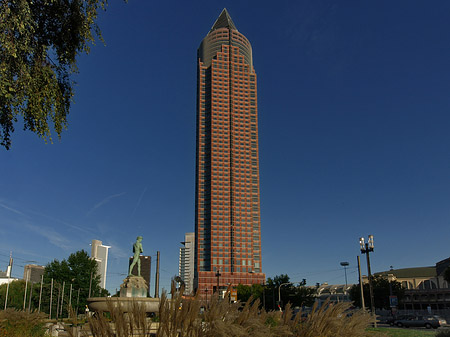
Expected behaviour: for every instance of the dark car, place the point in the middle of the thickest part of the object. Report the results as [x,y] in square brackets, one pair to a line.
[421,321]
[392,319]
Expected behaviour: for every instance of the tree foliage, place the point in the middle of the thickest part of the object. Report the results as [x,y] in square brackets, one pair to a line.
[447,274]
[15,294]
[381,292]
[39,44]
[76,270]
[268,294]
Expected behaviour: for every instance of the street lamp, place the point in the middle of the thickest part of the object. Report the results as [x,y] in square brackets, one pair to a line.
[345,265]
[366,248]
[279,293]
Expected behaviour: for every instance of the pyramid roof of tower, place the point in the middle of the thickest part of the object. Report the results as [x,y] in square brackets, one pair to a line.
[223,21]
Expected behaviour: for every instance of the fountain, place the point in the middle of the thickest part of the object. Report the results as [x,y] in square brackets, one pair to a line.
[133,290]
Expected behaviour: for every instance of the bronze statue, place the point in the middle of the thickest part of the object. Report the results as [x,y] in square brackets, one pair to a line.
[137,250]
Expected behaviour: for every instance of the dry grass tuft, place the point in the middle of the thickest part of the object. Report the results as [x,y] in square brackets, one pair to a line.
[14,323]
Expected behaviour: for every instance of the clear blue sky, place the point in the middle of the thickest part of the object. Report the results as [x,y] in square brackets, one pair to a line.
[354,100]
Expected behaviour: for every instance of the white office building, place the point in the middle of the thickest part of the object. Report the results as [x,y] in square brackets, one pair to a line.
[186,264]
[99,253]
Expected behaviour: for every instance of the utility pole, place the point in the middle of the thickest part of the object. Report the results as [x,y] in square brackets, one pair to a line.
[157,276]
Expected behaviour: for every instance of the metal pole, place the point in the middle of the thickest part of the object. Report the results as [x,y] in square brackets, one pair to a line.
[29,301]
[273,298]
[40,293]
[360,283]
[70,299]
[345,272]
[157,276]
[62,299]
[57,302]
[279,293]
[372,302]
[26,287]
[90,285]
[7,291]
[264,296]
[218,280]
[51,299]
[78,301]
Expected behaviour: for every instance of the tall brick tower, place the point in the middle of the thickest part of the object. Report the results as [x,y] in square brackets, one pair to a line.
[227,218]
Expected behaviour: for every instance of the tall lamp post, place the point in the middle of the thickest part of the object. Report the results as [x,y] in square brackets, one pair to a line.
[345,265]
[279,293]
[366,248]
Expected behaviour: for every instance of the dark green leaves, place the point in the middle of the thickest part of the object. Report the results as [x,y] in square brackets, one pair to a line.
[39,43]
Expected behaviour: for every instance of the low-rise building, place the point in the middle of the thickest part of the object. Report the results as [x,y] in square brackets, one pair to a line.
[425,287]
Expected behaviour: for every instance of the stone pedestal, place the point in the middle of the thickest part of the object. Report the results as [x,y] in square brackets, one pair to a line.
[134,286]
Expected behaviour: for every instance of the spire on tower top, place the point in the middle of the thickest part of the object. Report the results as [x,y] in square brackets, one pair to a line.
[223,21]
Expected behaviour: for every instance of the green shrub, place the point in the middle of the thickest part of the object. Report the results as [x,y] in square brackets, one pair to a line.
[443,333]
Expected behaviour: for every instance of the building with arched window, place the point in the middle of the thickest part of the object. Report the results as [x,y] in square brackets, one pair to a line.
[424,286]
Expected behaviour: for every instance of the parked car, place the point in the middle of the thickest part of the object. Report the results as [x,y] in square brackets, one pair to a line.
[421,321]
[392,319]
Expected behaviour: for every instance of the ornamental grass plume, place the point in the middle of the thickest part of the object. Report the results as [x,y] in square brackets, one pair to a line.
[194,317]
[117,323]
[216,318]
[332,319]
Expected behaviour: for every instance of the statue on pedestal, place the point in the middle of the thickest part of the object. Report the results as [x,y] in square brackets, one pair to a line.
[137,250]
[135,285]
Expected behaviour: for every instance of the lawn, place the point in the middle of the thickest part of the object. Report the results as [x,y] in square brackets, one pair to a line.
[395,332]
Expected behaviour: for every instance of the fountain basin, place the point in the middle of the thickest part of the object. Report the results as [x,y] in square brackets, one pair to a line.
[126,304]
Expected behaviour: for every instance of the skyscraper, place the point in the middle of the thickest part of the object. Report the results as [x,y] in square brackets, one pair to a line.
[227,218]
[99,253]
[186,264]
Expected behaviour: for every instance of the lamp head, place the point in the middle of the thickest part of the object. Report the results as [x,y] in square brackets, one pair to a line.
[361,244]
[370,242]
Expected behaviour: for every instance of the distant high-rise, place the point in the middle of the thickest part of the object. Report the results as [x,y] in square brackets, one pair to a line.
[227,218]
[99,253]
[33,273]
[186,265]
